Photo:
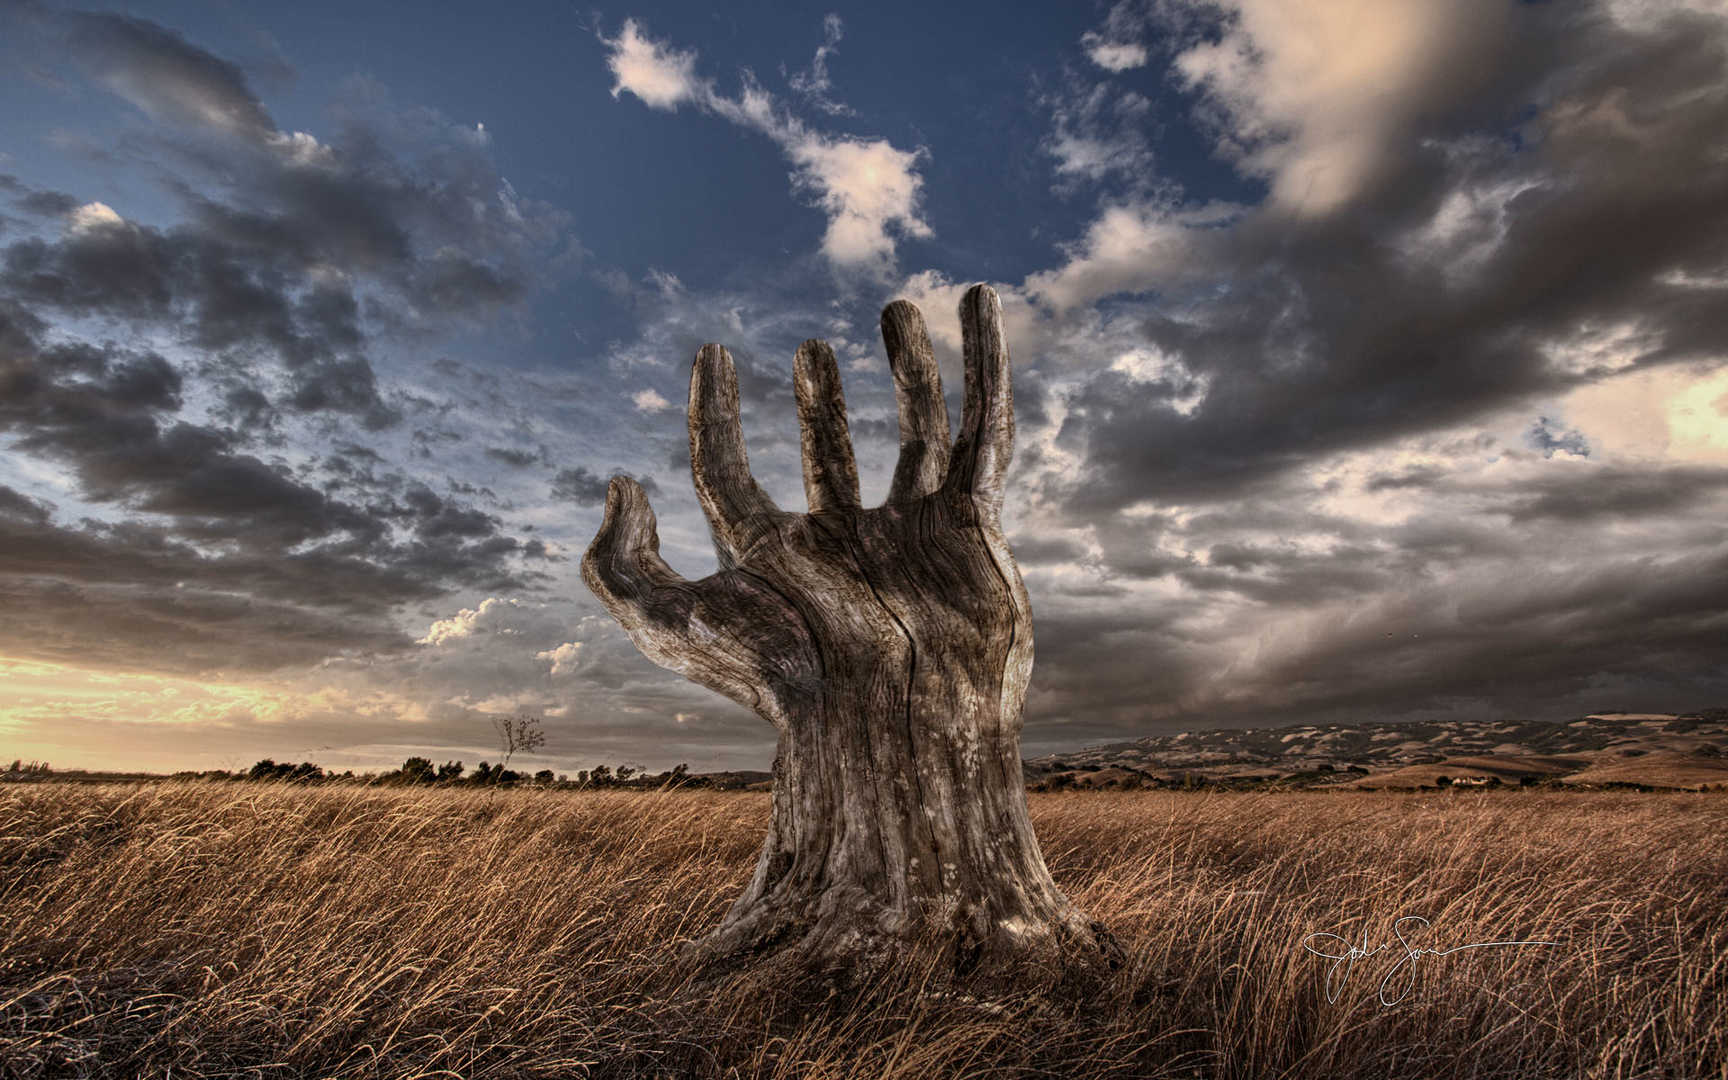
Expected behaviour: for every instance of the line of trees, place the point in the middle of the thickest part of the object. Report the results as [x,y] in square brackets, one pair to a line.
[422,771]
[419,770]
[517,734]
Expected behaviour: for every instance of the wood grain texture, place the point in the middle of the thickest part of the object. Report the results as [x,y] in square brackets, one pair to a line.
[736,506]
[891,648]
[830,471]
[918,390]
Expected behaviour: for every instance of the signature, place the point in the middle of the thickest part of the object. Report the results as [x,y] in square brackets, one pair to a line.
[1402,977]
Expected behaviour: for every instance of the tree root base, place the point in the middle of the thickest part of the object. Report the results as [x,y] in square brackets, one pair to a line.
[1074,960]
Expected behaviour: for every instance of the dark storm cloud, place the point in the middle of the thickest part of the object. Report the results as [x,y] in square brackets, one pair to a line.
[294,250]
[101,413]
[294,259]
[148,556]
[1518,588]
[585,488]
[1561,221]
[1503,647]
[453,282]
[19,506]
[1416,477]
[1357,327]
[107,416]
[236,300]
[346,386]
[162,73]
[1359,635]
[272,607]
[515,457]
[1292,580]
[189,632]
[447,243]
[1272,572]
[1617,493]
[132,595]
[537,549]
[1078,697]
[352,467]
[1032,550]
[1137,547]
[47,203]
[435,517]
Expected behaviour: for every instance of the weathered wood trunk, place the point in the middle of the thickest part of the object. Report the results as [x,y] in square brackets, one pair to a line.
[890,647]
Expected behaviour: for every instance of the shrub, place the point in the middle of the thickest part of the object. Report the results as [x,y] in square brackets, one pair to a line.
[418,770]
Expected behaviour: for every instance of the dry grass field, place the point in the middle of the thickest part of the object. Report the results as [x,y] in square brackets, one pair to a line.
[252,930]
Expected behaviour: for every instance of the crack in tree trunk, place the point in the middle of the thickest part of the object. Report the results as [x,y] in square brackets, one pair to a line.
[911,686]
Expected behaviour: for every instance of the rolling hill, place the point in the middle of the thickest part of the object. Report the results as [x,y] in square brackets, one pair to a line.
[1657,750]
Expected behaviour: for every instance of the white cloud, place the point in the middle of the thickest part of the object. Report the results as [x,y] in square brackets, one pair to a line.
[1668,414]
[1116,47]
[665,281]
[649,400]
[94,215]
[1598,349]
[1466,229]
[1316,94]
[1152,365]
[814,83]
[468,621]
[1129,248]
[1642,16]
[300,148]
[510,201]
[563,658]
[1100,134]
[1114,56]
[869,189]
[661,76]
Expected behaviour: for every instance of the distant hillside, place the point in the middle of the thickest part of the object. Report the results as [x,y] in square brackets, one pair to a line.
[1654,750]
[1659,750]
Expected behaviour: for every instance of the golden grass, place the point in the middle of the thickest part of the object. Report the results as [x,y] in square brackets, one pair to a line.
[248,930]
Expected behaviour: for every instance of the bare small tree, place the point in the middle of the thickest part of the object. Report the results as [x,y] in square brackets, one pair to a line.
[518,734]
[891,650]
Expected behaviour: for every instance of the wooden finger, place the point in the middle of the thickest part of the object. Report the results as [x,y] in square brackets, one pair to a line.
[830,470]
[719,466]
[985,446]
[623,566]
[918,390]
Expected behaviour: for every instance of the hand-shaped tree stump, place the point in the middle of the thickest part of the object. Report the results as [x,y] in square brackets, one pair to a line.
[890,648]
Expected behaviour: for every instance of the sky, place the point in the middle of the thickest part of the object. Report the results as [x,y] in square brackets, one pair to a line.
[1369,355]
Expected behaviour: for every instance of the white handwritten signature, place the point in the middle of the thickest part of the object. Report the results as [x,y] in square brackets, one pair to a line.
[1402,976]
